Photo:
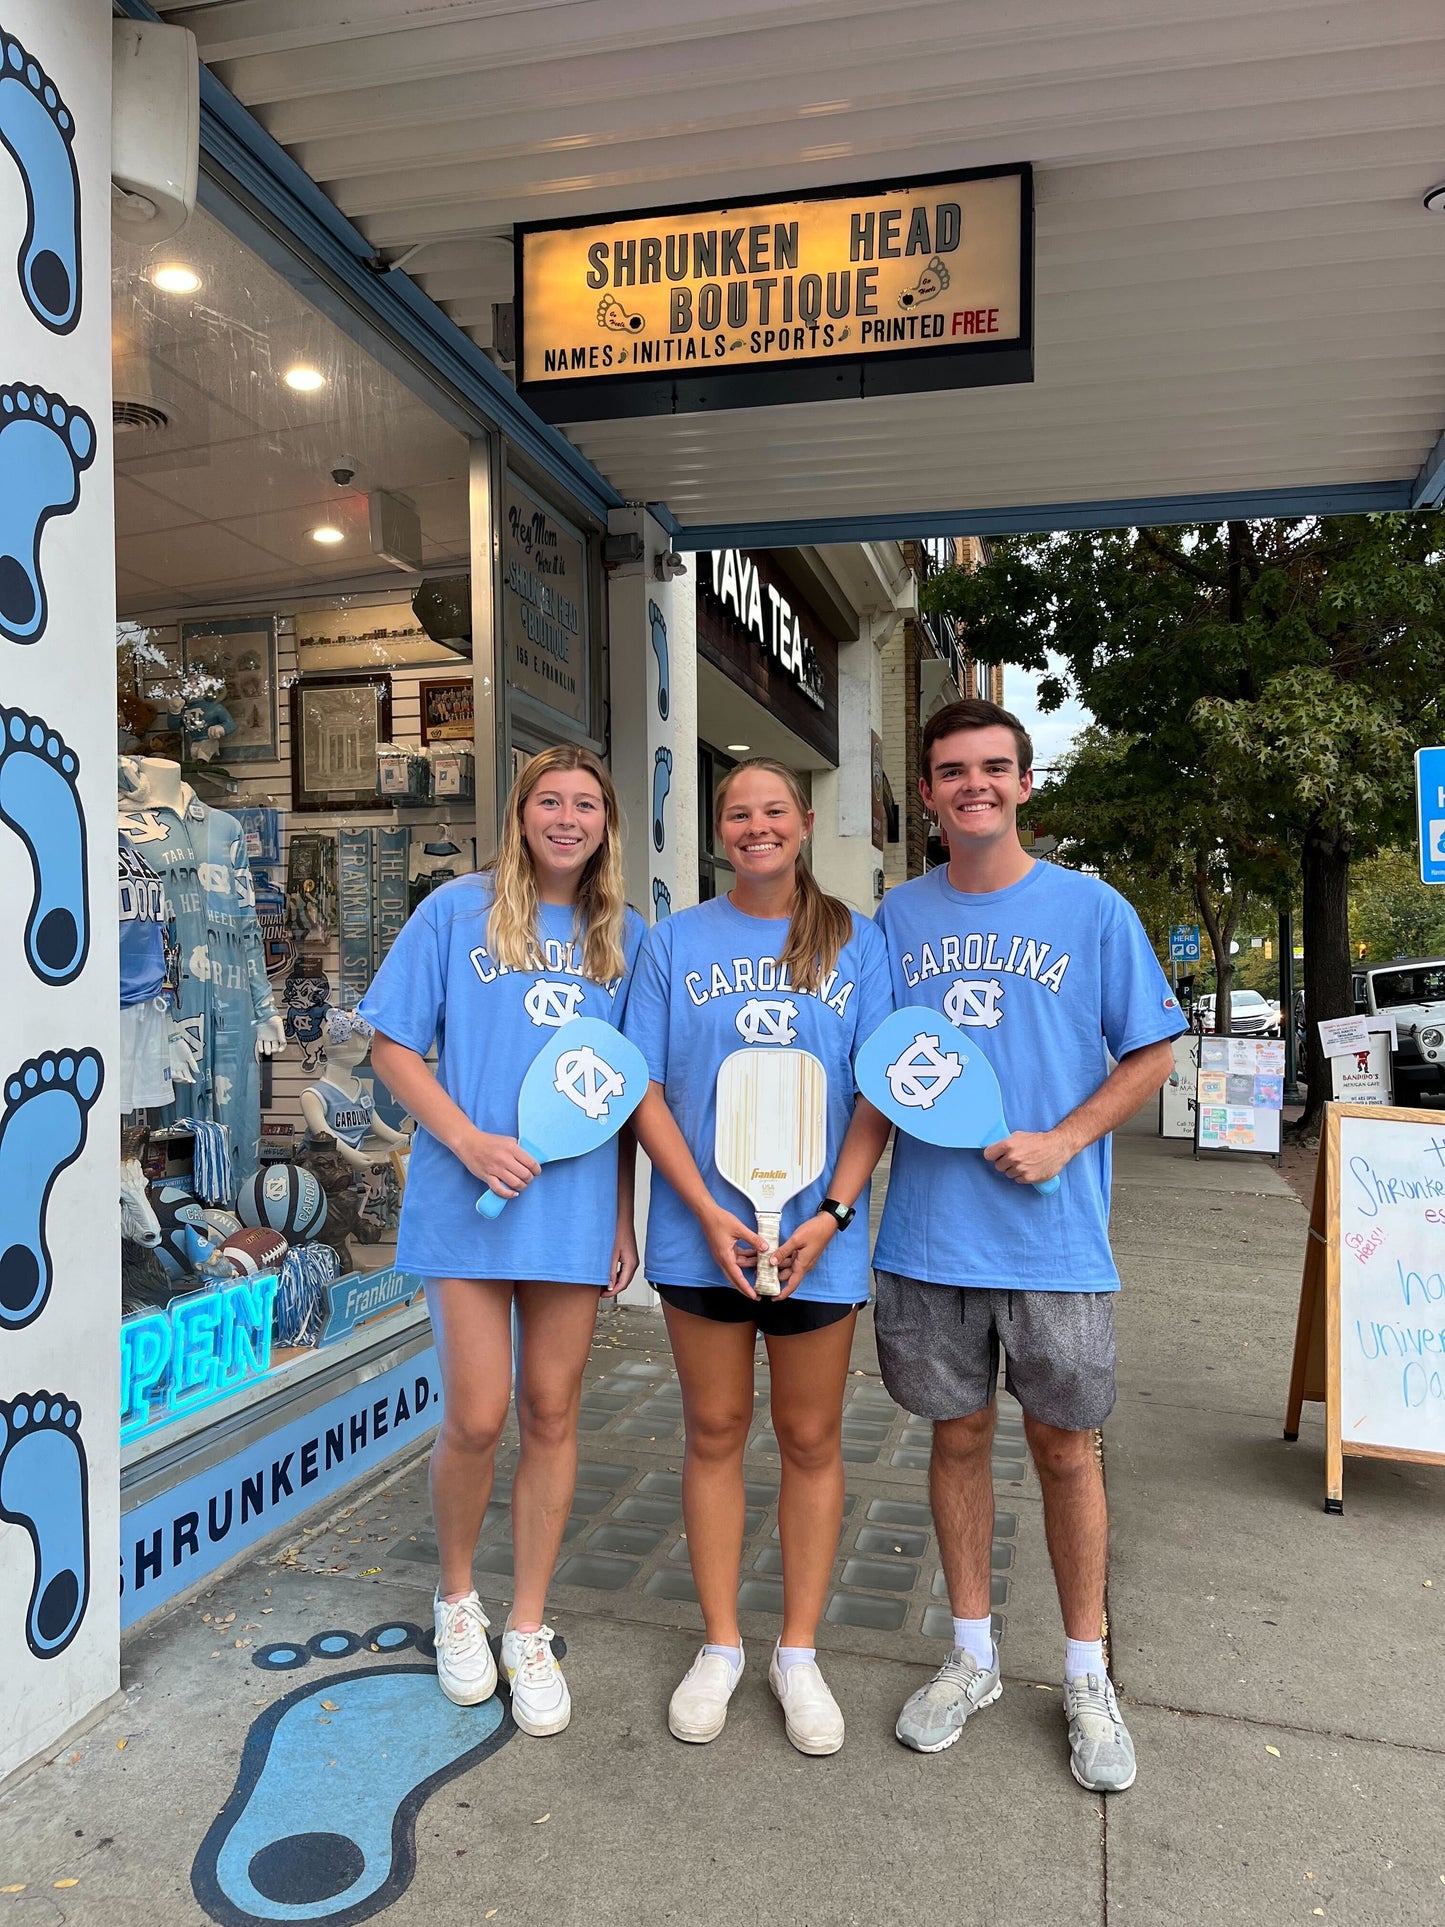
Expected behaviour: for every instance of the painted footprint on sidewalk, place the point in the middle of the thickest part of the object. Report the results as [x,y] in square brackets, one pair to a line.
[45,1488]
[40,802]
[37,129]
[42,1130]
[357,1754]
[661,784]
[45,446]
[659,649]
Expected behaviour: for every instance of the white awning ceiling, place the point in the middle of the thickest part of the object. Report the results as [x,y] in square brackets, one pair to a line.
[1238,289]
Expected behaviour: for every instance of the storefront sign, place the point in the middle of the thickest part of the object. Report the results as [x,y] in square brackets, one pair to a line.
[767,613]
[354,1298]
[177,1539]
[200,1348]
[756,627]
[544,605]
[851,291]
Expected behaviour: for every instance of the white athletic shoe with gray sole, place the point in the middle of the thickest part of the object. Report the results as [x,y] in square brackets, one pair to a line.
[935,1715]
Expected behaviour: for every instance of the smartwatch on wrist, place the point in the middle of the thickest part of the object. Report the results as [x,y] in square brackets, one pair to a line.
[842,1214]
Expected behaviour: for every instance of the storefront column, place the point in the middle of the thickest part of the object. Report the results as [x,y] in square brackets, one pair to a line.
[493,771]
[652,638]
[60,1283]
[847,852]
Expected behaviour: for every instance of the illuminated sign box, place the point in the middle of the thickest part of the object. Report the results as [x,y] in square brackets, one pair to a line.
[853,291]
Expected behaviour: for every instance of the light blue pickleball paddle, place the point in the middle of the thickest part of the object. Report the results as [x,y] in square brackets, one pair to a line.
[920,1071]
[580,1089]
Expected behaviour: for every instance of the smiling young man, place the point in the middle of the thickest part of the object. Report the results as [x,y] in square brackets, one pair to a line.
[1042,967]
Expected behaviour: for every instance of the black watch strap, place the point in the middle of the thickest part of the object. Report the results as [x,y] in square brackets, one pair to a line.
[843,1213]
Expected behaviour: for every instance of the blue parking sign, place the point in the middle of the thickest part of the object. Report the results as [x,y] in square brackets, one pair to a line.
[1184,943]
[1430,794]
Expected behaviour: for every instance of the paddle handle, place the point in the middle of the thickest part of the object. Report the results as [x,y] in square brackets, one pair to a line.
[765,1281]
[491,1204]
[1046,1186]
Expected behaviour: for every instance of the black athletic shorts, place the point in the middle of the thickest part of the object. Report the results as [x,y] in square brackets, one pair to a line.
[774,1317]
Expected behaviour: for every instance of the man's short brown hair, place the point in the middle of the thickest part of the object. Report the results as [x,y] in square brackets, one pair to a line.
[974,713]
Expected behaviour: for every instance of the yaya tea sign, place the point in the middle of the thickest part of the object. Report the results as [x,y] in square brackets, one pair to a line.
[854,291]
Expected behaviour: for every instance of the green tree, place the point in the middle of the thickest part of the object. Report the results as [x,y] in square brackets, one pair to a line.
[1392,913]
[1286,669]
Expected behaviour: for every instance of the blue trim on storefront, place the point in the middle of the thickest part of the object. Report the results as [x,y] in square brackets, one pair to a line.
[237,142]
[1346,498]
[1429,488]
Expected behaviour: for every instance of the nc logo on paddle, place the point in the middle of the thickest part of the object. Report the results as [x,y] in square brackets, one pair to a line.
[767,1020]
[552,1004]
[920,1076]
[587,1080]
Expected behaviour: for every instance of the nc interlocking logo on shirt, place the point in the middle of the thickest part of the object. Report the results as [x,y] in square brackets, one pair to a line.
[767,1020]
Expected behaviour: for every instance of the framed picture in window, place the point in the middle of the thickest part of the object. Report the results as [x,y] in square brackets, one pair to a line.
[336,724]
[233,664]
[446,711]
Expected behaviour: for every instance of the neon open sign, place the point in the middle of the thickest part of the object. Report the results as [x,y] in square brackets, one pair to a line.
[198,1349]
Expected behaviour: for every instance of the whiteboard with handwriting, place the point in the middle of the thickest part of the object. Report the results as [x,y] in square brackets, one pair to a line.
[1392,1283]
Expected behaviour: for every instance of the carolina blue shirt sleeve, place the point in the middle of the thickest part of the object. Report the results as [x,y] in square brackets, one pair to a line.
[875,982]
[634,934]
[648,1016]
[1139,1008]
[408,993]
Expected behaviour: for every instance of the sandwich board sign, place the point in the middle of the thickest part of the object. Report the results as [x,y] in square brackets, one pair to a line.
[1430,799]
[1368,1339]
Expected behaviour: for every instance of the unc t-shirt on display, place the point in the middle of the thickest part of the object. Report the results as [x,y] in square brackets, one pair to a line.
[1040,976]
[440,983]
[708,983]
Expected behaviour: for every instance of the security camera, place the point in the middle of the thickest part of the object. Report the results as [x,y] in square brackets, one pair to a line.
[668,565]
[343,470]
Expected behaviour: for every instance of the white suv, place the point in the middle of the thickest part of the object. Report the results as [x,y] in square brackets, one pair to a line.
[1412,990]
[1250,1015]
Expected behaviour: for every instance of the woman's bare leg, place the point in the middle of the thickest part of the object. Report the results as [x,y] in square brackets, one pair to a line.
[557,1323]
[715,1370]
[809,1371]
[472,1320]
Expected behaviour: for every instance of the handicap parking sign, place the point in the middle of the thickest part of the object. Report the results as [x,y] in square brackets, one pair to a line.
[1430,795]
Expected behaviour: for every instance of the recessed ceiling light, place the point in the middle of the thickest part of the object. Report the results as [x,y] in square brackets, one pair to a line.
[1435,199]
[175,278]
[304,380]
[739,749]
[327,534]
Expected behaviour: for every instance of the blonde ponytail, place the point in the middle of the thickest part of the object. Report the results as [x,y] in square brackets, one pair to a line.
[818,925]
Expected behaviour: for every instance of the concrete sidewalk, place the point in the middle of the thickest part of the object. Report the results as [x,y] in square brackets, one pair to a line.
[1279,1669]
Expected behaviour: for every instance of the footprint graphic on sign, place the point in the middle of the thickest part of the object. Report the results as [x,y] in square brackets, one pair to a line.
[661,784]
[611,314]
[661,900]
[928,287]
[321,1825]
[37,129]
[39,801]
[42,1130]
[660,650]
[45,446]
[45,1488]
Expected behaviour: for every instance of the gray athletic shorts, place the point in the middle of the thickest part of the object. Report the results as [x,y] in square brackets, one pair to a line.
[938,1346]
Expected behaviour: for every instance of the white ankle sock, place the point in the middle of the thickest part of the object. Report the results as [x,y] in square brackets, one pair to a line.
[732,1654]
[1083,1656]
[795,1656]
[975,1636]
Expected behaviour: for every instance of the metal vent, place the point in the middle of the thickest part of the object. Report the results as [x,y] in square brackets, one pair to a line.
[129,416]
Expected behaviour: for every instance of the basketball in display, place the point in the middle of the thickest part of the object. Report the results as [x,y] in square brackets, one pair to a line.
[175,1206]
[256,1248]
[286,1198]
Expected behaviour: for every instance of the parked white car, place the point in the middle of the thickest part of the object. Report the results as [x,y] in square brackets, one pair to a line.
[1250,1015]
[1412,990]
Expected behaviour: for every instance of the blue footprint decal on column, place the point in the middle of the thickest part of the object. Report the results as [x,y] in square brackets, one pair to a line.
[45,445]
[45,1487]
[659,649]
[661,900]
[661,784]
[37,128]
[38,799]
[321,1825]
[42,1130]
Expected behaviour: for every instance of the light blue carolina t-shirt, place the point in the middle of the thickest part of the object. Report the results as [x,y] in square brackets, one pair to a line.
[708,983]
[1040,977]
[439,982]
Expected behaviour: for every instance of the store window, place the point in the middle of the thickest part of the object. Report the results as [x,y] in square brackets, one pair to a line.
[715,875]
[297,768]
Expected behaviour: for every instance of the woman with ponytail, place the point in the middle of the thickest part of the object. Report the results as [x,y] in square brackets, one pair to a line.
[776,962]
[486,968]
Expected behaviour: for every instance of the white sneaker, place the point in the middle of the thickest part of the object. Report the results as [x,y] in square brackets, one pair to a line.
[466,1671]
[811,1714]
[698,1710]
[541,1703]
